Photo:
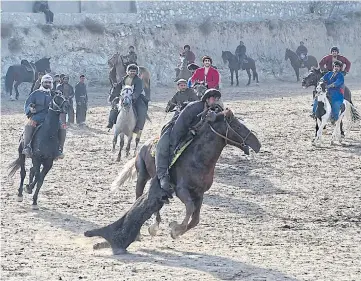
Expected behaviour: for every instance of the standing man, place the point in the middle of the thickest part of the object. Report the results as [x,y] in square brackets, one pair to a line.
[56,81]
[241,53]
[38,82]
[327,61]
[206,74]
[68,93]
[81,99]
[42,6]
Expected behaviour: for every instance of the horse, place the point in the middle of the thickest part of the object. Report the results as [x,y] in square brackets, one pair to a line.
[184,72]
[24,72]
[118,63]
[323,113]
[45,147]
[312,79]
[126,121]
[192,178]
[200,89]
[234,66]
[296,63]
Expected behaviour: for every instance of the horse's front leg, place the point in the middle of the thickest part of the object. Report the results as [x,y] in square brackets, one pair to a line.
[127,149]
[153,229]
[46,168]
[196,214]
[232,77]
[121,145]
[237,77]
[249,76]
[179,229]
[16,85]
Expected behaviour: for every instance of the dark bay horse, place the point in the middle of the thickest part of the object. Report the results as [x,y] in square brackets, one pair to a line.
[192,178]
[296,63]
[24,72]
[234,66]
[312,79]
[45,147]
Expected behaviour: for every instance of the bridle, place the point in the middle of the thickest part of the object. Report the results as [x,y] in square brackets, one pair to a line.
[229,128]
[58,107]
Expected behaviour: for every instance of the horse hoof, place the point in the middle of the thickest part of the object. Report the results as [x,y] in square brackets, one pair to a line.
[12,98]
[118,159]
[119,251]
[35,207]
[153,229]
[19,199]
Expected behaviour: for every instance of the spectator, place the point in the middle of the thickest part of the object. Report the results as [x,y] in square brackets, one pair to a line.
[81,98]
[43,7]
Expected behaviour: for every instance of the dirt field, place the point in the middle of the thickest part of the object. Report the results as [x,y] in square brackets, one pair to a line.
[291,212]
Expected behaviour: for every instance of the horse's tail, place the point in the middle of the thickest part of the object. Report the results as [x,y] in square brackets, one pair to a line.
[147,117]
[9,79]
[145,76]
[14,166]
[129,172]
[355,115]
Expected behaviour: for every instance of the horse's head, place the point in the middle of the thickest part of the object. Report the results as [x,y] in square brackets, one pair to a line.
[59,103]
[311,79]
[183,62]
[126,97]
[200,89]
[113,60]
[43,65]
[225,56]
[287,53]
[235,132]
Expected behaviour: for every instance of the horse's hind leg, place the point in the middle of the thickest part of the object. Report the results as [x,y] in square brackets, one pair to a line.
[30,186]
[121,145]
[115,139]
[46,168]
[255,75]
[184,195]
[22,177]
[232,71]
[249,76]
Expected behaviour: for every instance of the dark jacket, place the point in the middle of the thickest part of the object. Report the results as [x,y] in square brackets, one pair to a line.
[138,87]
[81,95]
[180,98]
[186,119]
[241,50]
[69,94]
[41,100]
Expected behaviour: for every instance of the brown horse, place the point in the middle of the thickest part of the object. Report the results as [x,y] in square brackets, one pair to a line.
[184,72]
[191,176]
[117,70]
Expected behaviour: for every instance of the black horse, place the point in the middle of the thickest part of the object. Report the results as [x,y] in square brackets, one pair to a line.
[25,72]
[191,176]
[234,66]
[296,63]
[45,147]
[312,78]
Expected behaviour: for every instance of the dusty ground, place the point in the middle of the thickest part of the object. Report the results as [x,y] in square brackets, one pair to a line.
[291,212]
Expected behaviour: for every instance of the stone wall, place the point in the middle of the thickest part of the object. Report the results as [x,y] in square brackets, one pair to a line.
[79,47]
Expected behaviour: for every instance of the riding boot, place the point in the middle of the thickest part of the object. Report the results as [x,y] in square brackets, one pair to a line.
[165,185]
[61,136]
[28,134]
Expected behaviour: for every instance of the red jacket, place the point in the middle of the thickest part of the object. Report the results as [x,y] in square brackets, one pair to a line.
[327,60]
[212,78]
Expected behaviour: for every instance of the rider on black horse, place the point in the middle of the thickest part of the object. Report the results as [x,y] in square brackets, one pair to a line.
[302,53]
[36,108]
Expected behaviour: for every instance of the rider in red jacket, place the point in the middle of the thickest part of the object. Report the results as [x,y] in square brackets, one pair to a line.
[327,62]
[207,74]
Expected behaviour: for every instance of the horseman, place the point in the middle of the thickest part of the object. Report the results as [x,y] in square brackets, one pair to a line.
[241,53]
[302,53]
[327,62]
[140,102]
[131,57]
[36,108]
[182,97]
[206,74]
[187,122]
[188,54]
[192,68]
[335,86]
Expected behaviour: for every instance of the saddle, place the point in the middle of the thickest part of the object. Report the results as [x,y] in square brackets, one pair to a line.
[27,65]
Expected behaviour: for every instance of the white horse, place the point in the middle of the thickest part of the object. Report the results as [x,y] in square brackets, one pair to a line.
[323,114]
[126,121]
